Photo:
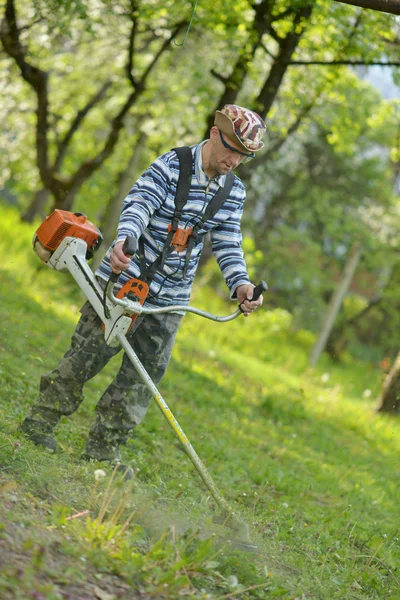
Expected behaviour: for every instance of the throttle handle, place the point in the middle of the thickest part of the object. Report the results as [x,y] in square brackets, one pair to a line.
[129,248]
[258,290]
[130,245]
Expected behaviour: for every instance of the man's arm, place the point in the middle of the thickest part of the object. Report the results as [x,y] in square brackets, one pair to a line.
[145,197]
[227,248]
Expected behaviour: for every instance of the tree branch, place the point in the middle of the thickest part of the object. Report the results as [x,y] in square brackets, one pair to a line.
[387,6]
[264,47]
[344,62]
[29,25]
[131,46]
[395,42]
[274,35]
[293,127]
[282,15]
[218,76]
[80,115]
[275,146]
[64,189]
[164,46]
[233,83]
[287,47]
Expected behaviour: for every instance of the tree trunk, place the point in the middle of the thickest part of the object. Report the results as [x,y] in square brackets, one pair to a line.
[335,303]
[109,221]
[234,83]
[37,205]
[337,341]
[389,399]
[287,47]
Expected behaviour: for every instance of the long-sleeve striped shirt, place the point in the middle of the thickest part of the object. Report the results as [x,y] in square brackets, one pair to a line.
[148,210]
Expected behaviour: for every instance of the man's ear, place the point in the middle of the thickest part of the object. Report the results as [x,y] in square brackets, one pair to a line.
[213,132]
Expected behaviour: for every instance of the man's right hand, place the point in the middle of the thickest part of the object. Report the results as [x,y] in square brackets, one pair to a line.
[119,261]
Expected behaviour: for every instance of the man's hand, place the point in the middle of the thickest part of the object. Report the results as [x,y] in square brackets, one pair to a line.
[244,294]
[119,261]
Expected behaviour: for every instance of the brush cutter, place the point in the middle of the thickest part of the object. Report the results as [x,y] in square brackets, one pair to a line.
[65,241]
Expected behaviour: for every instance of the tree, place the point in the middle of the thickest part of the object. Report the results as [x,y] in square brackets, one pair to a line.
[335,303]
[65,187]
[330,185]
[389,399]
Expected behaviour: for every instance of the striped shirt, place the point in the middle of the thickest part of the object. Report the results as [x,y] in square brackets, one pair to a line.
[148,210]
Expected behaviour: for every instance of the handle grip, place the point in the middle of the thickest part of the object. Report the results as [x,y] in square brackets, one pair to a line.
[129,248]
[258,290]
[130,245]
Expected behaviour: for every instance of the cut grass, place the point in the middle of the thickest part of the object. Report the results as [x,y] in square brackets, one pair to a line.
[298,452]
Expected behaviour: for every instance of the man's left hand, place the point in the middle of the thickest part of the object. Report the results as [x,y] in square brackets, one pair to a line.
[244,294]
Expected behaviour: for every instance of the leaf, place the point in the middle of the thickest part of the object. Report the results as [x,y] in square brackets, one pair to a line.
[102,594]
[213,564]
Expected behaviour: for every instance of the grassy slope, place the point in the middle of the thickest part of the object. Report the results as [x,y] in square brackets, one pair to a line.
[301,456]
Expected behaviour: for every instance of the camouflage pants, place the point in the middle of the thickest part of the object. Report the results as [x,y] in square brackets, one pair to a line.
[125,401]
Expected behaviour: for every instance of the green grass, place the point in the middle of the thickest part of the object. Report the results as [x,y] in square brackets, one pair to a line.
[298,452]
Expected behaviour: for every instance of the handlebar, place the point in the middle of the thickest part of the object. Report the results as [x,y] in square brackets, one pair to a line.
[135,308]
[129,248]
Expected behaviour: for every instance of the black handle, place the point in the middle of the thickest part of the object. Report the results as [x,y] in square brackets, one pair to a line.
[114,277]
[258,290]
[129,248]
[130,245]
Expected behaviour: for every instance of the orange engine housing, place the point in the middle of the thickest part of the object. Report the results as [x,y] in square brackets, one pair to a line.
[61,224]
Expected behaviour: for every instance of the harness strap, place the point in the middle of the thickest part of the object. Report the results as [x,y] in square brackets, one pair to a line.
[147,273]
[184,181]
[213,207]
[182,194]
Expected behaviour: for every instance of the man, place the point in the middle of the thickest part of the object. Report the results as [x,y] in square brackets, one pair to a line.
[168,264]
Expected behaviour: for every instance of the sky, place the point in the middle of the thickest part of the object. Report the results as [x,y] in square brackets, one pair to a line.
[381,78]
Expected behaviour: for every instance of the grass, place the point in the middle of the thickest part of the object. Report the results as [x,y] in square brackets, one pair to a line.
[298,452]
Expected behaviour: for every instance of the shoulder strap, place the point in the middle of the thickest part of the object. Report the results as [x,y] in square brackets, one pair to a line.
[213,207]
[217,201]
[185,157]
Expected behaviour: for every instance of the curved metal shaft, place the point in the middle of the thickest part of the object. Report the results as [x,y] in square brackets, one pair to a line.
[136,308]
[187,446]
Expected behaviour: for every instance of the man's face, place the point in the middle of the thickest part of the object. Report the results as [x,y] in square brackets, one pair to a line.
[222,158]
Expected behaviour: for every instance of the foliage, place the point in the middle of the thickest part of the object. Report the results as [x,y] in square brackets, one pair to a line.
[83,44]
[327,176]
[330,185]
[298,452]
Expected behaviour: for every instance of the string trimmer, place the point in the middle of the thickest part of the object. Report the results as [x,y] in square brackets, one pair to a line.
[65,241]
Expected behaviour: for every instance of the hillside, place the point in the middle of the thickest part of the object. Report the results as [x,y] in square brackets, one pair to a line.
[298,452]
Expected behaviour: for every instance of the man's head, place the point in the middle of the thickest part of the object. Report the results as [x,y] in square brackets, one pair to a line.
[234,139]
[241,126]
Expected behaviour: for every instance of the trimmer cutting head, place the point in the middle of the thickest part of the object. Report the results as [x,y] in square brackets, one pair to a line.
[240,537]
[61,224]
